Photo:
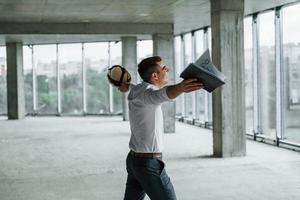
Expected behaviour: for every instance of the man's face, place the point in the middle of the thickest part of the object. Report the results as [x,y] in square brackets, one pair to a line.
[162,72]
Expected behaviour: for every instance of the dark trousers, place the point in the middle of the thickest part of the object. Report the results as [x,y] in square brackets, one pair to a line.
[147,176]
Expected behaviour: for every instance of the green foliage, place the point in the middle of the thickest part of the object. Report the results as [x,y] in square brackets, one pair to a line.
[71,94]
[46,95]
[97,92]
[28,92]
[97,89]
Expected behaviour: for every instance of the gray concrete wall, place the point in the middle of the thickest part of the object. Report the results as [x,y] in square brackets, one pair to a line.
[129,61]
[228,55]
[163,46]
[15,81]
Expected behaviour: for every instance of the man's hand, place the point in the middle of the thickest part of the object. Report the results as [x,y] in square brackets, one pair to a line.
[124,87]
[184,86]
[190,85]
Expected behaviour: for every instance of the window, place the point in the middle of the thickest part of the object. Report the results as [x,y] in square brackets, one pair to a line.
[208,104]
[70,64]
[3,71]
[248,74]
[116,59]
[46,79]
[28,78]
[144,50]
[200,101]
[97,86]
[178,69]
[291,67]
[187,38]
[267,74]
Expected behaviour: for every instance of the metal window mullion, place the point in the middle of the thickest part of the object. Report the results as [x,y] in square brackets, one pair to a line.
[34,88]
[256,79]
[138,42]
[111,92]
[83,70]
[206,94]
[196,93]
[209,44]
[182,66]
[279,75]
[58,82]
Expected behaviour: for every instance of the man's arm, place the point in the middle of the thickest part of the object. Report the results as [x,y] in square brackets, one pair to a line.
[184,86]
[168,92]
[171,92]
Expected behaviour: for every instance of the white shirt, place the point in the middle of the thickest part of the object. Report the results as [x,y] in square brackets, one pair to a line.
[145,116]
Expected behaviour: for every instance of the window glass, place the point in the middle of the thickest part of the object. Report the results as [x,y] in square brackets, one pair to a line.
[178,70]
[144,50]
[267,74]
[28,79]
[97,86]
[209,95]
[70,64]
[3,71]
[116,59]
[291,66]
[248,74]
[187,38]
[200,113]
[46,78]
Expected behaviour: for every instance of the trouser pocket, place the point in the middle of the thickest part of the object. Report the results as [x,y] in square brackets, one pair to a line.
[162,166]
[165,179]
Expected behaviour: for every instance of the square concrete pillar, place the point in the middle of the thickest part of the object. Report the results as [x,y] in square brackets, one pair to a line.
[163,46]
[129,61]
[229,100]
[15,81]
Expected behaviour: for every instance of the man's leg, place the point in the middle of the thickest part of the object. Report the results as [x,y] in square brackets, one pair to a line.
[134,190]
[155,180]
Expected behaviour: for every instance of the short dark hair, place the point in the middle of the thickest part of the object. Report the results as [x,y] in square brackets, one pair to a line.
[148,66]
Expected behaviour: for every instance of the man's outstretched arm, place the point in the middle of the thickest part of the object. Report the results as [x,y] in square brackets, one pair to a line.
[169,92]
[184,86]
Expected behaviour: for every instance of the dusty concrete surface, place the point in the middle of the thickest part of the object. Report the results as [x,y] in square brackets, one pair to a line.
[84,158]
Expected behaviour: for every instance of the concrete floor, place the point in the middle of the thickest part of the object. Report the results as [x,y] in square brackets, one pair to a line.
[84,158]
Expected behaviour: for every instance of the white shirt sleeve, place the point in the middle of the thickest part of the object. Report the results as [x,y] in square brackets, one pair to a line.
[156,97]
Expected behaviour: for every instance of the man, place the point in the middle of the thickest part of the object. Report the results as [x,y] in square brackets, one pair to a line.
[146,173]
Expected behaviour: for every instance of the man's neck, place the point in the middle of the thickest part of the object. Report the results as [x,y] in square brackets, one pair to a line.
[156,84]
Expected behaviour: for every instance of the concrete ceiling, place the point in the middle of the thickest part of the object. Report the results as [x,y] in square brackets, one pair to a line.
[53,39]
[186,15]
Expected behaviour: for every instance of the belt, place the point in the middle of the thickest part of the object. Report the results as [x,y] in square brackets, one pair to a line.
[146,155]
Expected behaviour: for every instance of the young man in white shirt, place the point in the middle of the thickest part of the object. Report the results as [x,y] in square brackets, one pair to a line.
[146,172]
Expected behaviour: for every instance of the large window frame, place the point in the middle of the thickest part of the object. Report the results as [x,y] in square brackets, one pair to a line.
[194,118]
[257,99]
[33,111]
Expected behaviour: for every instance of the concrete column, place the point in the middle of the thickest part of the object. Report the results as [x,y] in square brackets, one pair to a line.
[228,55]
[129,61]
[15,81]
[163,47]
